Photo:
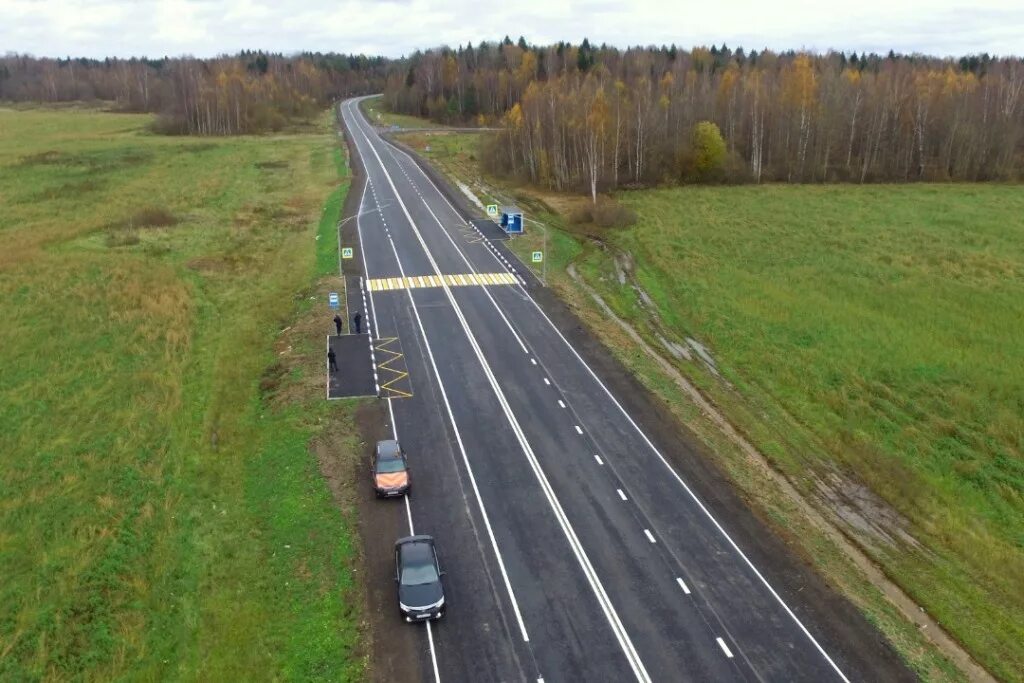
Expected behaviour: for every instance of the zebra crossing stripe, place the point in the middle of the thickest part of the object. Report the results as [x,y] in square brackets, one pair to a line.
[452,280]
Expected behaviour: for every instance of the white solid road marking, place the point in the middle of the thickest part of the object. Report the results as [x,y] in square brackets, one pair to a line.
[725,648]
[621,494]
[448,409]
[636,664]
[598,459]
[394,427]
[651,445]
[650,536]
[682,585]
[433,653]
[579,430]
[561,403]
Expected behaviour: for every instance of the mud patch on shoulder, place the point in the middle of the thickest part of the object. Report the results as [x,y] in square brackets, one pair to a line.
[871,519]
[678,351]
[704,355]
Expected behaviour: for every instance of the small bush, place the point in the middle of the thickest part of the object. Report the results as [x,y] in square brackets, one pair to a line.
[48,158]
[165,124]
[704,160]
[608,213]
[581,215]
[153,217]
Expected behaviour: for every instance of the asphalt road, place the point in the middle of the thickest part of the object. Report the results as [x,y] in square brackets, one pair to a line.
[574,548]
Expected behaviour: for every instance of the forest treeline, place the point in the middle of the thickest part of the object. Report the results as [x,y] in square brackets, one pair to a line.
[245,93]
[597,118]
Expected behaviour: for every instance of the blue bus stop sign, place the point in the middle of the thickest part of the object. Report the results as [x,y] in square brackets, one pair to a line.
[333,301]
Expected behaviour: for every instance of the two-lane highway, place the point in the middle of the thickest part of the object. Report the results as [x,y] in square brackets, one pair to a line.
[574,549]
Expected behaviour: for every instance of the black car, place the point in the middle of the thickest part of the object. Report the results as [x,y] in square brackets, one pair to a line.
[418,574]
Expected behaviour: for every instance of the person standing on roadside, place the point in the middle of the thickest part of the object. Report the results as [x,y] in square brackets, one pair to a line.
[337,323]
[358,320]
[332,363]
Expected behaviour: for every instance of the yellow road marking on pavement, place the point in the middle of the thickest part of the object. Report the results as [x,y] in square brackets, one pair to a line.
[388,381]
[385,284]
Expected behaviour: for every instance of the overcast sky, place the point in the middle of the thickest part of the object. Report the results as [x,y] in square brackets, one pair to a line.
[99,28]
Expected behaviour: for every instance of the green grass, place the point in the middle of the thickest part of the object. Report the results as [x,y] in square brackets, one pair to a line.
[872,331]
[378,114]
[160,514]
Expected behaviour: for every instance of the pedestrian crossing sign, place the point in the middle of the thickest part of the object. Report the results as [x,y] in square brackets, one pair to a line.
[538,256]
[492,209]
[346,252]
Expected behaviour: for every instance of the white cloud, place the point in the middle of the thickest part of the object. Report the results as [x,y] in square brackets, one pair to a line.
[99,28]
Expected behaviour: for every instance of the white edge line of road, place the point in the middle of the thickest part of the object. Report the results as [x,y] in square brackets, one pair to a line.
[458,435]
[650,444]
[574,543]
[391,412]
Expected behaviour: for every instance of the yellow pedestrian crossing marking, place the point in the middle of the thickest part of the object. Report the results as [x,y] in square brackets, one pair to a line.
[458,280]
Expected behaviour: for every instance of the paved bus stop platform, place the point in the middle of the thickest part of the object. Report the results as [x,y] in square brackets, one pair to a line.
[355,374]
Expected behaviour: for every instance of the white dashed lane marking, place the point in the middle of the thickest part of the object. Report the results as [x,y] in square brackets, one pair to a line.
[725,648]
[598,459]
[579,430]
[621,494]
[682,585]
[649,535]
[561,404]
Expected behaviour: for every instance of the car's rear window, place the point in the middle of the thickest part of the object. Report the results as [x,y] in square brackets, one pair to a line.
[387,449]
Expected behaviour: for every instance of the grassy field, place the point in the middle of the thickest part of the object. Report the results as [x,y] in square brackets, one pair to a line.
[864,335]
[161,515]
[866,339]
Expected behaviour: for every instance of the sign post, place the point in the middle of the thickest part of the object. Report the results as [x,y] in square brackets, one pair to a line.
[538,257]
